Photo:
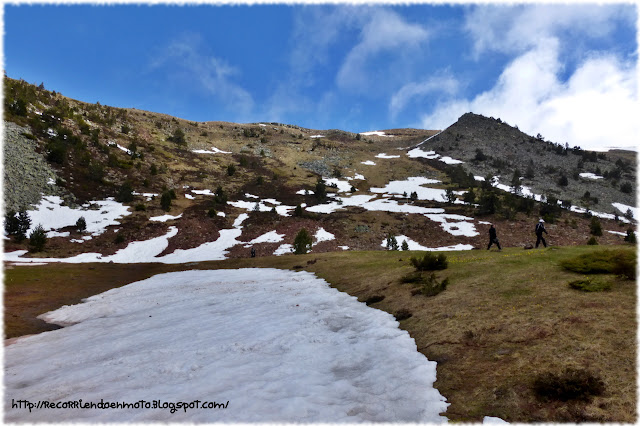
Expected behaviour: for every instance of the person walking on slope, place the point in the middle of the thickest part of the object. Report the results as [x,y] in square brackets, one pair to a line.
[493,238]
[539,230]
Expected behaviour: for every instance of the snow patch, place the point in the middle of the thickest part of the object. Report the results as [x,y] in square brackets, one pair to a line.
[51,214]
[283,249]
[165,218]
[384,155]
[591,176]
[368,163]
[376,133]
[213,150]
[280,346]
[269,237]
[322,235]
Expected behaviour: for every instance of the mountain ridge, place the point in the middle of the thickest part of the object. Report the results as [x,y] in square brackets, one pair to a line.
[98,151]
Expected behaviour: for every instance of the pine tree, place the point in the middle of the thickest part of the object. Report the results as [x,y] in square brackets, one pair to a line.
[303,242]
[165,201]
[81,224]
[405,245]
[392,242]
[37,239]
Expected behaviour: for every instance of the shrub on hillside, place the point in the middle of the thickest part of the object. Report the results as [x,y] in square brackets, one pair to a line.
[17,224]
[590,285]
[125,193]
[37,239]
[593,241]
[165,201]
[430,262]
[620,262]
[631,236]
[626,187]
[392,242]
[178,137]
[572,384]
[81,224]
[220,196]
[320,190]
[427,285]
[405,245]
[302,243]
[595,227]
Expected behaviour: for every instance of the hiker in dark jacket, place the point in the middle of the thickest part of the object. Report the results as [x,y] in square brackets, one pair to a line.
[539,230]
[493,238]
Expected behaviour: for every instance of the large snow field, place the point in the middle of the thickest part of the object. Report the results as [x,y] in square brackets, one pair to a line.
[280,346]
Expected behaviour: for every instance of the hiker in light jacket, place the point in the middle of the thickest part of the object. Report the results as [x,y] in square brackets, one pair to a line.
[539,230]
[493,238]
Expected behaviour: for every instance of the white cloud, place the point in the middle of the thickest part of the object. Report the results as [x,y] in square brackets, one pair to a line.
[385,31]
[513,29]
[211,73]
[445,84]
[595,108]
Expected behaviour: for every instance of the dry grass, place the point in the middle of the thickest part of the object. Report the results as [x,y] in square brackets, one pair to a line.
[505,318]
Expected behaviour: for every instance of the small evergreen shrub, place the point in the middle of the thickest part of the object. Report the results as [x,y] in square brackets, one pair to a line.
[595,227]
[620,262]
[572,384]
[81,224]
[119,239]
[125,193]
[631,236]
[430,262]
[178,137]
[220,196]
[231,169]
[320,190]
[428,285]
[141,207]
[302,243]
[592,241]
[589,285]
[405,245]
[165,201]
[392,242]
[37,239]
[212,213]
[17,224]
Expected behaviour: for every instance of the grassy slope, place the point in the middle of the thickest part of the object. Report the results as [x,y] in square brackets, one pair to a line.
[505,318]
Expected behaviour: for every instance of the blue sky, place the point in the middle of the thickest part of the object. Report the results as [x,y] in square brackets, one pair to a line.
[568,72]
